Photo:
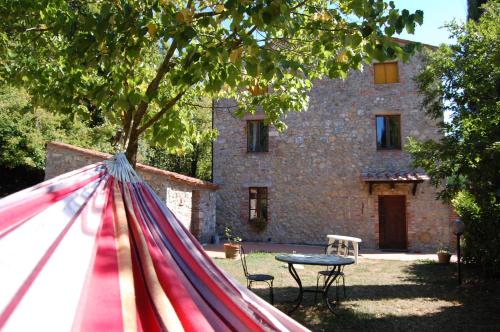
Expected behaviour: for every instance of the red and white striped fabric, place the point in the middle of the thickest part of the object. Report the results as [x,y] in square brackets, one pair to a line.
[97,250]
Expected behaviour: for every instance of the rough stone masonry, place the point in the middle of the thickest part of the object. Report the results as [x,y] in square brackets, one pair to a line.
[313,169]
[191,200]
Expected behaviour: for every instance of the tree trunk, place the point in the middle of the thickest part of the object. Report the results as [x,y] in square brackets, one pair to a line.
[474,11]
[132,147]
[194,160]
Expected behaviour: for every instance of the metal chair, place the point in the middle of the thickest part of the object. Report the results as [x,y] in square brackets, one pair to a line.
[342,249]
[251,278]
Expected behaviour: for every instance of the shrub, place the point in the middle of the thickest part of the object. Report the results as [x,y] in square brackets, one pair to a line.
[481,242]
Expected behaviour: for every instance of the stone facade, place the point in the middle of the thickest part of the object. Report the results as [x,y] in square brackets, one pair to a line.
[313,169]
[191,200]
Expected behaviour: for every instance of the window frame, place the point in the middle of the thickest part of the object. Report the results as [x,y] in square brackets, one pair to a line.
[258,205]
[384,64]
[259,135]
[386,117]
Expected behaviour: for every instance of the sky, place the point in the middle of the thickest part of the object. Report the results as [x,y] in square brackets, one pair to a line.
[436,14]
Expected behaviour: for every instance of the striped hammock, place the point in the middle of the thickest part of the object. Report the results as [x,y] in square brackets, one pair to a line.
[97,250]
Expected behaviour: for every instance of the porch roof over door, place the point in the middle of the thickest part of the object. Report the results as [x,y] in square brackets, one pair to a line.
[393,177]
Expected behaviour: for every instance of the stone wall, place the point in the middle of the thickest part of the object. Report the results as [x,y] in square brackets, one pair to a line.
[191,200]
[312,170]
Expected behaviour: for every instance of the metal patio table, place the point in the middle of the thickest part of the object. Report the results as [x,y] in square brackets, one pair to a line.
[333,261]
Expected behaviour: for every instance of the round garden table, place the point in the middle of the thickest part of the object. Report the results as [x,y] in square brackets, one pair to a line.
[333,261]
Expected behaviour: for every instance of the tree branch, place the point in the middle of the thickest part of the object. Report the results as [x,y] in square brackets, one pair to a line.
[164,110]
[155,83]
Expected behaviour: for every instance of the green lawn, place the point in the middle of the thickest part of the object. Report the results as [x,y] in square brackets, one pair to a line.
[383,296]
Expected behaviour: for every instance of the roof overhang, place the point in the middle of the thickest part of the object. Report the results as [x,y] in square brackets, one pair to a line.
[392,178]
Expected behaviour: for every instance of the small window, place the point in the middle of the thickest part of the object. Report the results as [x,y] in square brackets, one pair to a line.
[257,136]
[386,72]
[258,203]
[388,131]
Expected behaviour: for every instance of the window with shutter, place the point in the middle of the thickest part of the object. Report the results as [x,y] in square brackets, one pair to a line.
[385,73]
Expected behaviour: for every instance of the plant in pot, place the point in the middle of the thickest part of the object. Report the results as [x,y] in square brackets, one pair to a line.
[444,255]
[232,248]
[258,224]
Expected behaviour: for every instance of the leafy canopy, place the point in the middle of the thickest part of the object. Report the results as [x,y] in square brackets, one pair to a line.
[142,62]
[25,130]
[463,80]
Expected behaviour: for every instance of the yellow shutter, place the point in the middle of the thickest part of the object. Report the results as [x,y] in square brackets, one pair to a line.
[379,73]
[391,72]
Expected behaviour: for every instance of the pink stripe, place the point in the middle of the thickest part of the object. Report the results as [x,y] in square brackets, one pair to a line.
[9,309]
[102,310]
[26,208]
[186,256]
[189,315]
[147,318]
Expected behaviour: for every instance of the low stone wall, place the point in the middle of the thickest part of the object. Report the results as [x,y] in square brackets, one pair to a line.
[191,200]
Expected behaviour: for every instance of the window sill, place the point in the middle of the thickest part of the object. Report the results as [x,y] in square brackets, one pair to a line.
[385,84]
[389,149]
[257,152]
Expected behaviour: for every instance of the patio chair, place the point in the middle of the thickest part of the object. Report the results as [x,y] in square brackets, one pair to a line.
[339,248]
[251,278]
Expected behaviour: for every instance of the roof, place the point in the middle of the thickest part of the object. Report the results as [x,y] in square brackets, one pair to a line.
[406,41]
[394,176]
[172,176]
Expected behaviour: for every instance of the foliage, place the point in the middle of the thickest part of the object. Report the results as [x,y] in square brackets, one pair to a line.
[228,233]
[481,234]
[474,9]
[463,80]
[443,250]
[142,63]
[195,159]
[25,130]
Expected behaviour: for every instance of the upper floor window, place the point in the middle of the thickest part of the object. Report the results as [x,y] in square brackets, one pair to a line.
[388,131]
[386,72]
[258,202]
[257,136]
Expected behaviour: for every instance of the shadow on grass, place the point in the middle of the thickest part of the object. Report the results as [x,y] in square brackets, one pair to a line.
[427,299]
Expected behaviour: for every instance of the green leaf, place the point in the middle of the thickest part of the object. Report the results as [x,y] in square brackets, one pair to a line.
[419,17]
[366,30]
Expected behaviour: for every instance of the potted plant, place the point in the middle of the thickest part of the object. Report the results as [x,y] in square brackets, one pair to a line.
[444,255]
[232,248]
[258,224]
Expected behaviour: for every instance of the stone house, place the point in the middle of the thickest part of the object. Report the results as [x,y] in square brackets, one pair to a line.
[339,168]
[191,200]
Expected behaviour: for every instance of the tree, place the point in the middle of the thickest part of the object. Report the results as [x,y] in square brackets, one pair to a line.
[195,158]
[141,62]
[464,80]
[25,130]
[474,9]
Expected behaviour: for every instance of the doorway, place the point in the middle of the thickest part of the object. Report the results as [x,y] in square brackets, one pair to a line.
[392,222]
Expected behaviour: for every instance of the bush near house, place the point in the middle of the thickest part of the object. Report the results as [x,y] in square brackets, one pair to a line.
[464,81]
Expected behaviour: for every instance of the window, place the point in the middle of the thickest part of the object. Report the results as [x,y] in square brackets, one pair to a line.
[386,72]
[388,131]
[258,203]
[257,136]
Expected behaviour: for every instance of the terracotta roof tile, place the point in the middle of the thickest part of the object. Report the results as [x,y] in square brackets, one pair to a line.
[175,177]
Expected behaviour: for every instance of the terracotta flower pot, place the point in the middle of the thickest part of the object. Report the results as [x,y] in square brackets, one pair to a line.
[444,258]
[231,250]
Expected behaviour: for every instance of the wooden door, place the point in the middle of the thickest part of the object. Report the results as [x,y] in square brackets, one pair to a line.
[392,222]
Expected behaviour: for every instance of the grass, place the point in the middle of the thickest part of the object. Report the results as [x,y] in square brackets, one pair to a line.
[383,296]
